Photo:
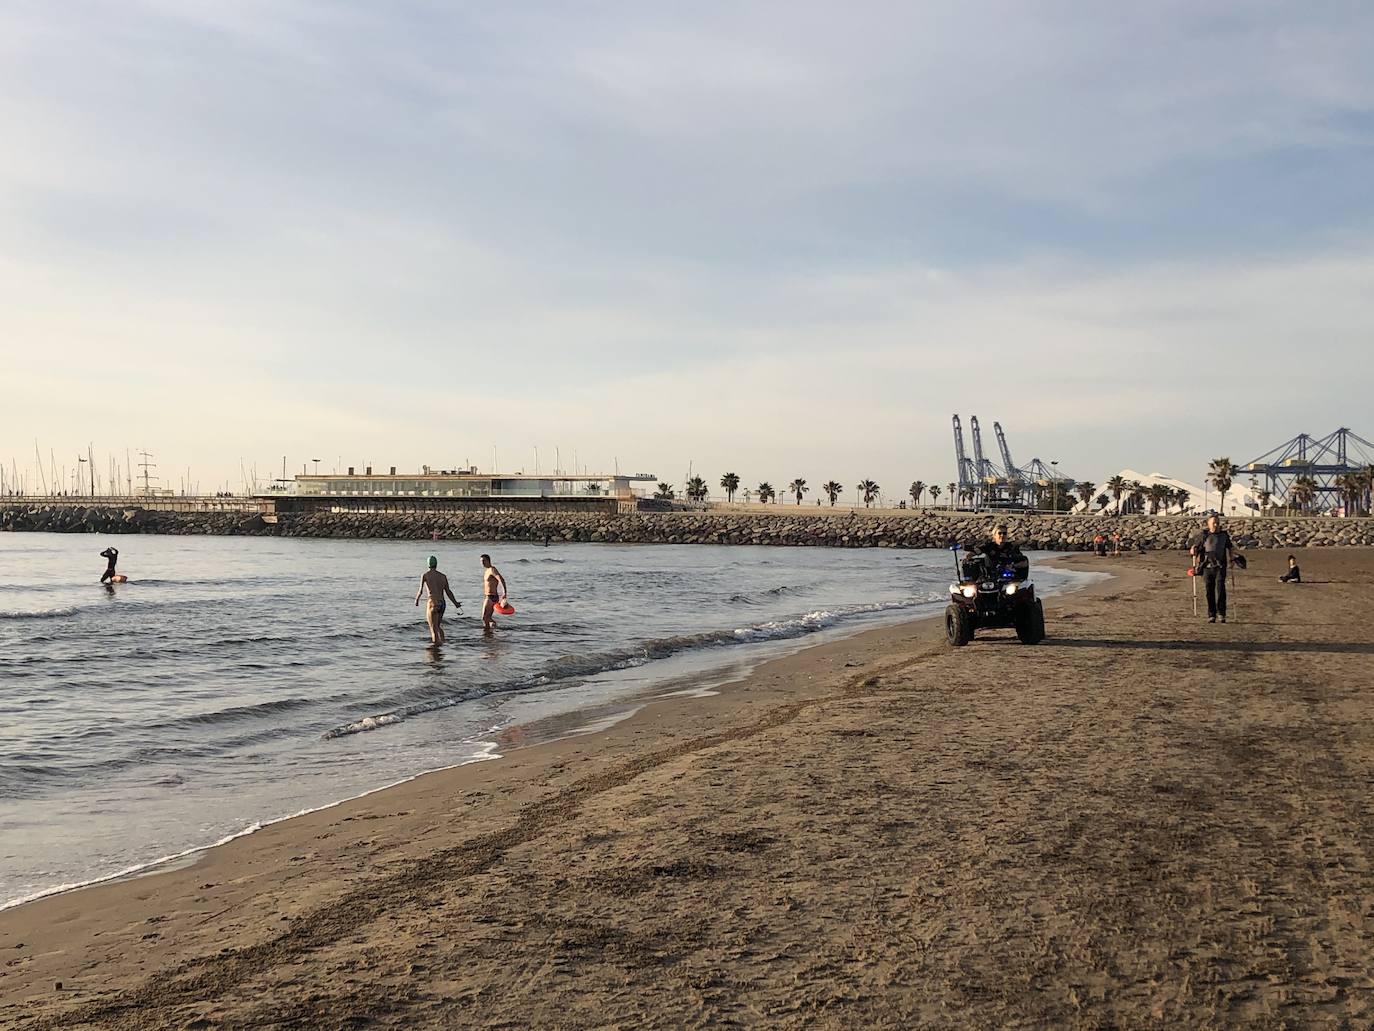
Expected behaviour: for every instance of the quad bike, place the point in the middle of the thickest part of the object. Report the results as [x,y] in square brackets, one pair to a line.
[992,595]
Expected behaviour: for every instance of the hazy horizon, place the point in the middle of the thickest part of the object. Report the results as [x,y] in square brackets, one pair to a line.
[779,240]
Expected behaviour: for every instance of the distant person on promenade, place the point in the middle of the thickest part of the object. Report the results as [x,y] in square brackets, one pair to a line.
[437,583]
[1294,574]
[111,556]
[493,591]
[1212,555]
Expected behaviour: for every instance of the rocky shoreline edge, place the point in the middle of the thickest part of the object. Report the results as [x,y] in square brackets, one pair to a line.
[845,530]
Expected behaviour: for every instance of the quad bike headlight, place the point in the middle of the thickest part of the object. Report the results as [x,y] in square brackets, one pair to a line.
[1010,588]
[970,591]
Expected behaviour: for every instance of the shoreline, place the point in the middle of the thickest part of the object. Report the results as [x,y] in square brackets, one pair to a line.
[712,680]
[847,835]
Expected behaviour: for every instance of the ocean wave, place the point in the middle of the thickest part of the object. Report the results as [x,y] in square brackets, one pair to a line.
[579,665]
[26,778]
[239,713]
[59,613]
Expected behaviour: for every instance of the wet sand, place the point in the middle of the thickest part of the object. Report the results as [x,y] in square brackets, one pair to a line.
[1146,821]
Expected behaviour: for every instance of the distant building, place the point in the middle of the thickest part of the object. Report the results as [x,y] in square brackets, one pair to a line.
[455,489]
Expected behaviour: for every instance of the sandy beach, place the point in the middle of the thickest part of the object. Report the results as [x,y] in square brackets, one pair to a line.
[1146,821]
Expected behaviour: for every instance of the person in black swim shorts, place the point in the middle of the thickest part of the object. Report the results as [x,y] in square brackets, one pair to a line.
[494,589]
[437,584]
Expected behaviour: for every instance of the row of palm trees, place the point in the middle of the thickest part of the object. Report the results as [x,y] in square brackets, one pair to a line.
[1355,489]
[1128,496]
[696,490]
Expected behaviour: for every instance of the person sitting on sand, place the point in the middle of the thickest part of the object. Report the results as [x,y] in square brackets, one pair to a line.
[491,577]
[438,586]
[111,555]
[1294,574]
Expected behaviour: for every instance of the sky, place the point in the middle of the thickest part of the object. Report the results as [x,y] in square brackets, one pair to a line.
[780,239]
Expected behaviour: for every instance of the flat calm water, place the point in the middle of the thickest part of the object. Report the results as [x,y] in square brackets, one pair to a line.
[235,681]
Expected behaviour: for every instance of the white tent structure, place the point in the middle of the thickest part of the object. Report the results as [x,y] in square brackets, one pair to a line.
[1240,499]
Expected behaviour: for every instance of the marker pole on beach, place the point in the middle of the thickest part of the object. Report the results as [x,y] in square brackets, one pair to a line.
[1192,575]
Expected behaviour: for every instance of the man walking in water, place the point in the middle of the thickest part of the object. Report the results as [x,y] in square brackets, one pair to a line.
[437,583]
[491,577]
[111,555]
[1212,555]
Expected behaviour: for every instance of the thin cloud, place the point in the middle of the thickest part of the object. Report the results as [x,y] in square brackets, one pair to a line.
[758,236]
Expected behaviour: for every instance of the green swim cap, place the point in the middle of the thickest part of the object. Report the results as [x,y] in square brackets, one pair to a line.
[433,562]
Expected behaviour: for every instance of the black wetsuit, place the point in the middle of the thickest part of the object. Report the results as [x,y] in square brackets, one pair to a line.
[1293,576]
[1214,551]
[112,555]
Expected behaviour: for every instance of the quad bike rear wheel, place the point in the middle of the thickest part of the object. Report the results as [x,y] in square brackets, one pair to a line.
[1030,623]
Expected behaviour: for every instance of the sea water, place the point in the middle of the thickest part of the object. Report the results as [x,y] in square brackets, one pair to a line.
[237,680]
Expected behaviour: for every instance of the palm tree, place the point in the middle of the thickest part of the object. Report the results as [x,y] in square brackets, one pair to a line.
[665,492]
[1085,489]
[1117,486]
[1137,496]
[967,494]
[934,493]
[1101,501]
[695,489]
[1159,496]
[798,487]
[1303,492]
[766,492]
[869,489]
[730,483]
[832,490]
[1264,498]
[917,489]
[951,496]
[1219,474]
[1351,487]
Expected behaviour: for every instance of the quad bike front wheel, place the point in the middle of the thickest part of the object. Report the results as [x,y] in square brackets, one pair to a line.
[958,626]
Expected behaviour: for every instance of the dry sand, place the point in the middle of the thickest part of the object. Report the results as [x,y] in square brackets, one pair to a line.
[1146,821]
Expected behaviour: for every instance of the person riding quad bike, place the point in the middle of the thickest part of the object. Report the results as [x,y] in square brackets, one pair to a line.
[993,591]
[995,555]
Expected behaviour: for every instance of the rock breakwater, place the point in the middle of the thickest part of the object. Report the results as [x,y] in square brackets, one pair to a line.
[859,530]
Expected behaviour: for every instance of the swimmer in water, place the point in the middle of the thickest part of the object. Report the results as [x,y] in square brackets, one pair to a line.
[491,578]
[437,583]
[111,555]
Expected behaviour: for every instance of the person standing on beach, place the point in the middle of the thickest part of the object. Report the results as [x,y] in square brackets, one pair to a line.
[492,594]
[111,556]
[437,583]
[1213,555]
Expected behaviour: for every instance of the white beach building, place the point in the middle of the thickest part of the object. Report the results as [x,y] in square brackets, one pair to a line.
[1240,499]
